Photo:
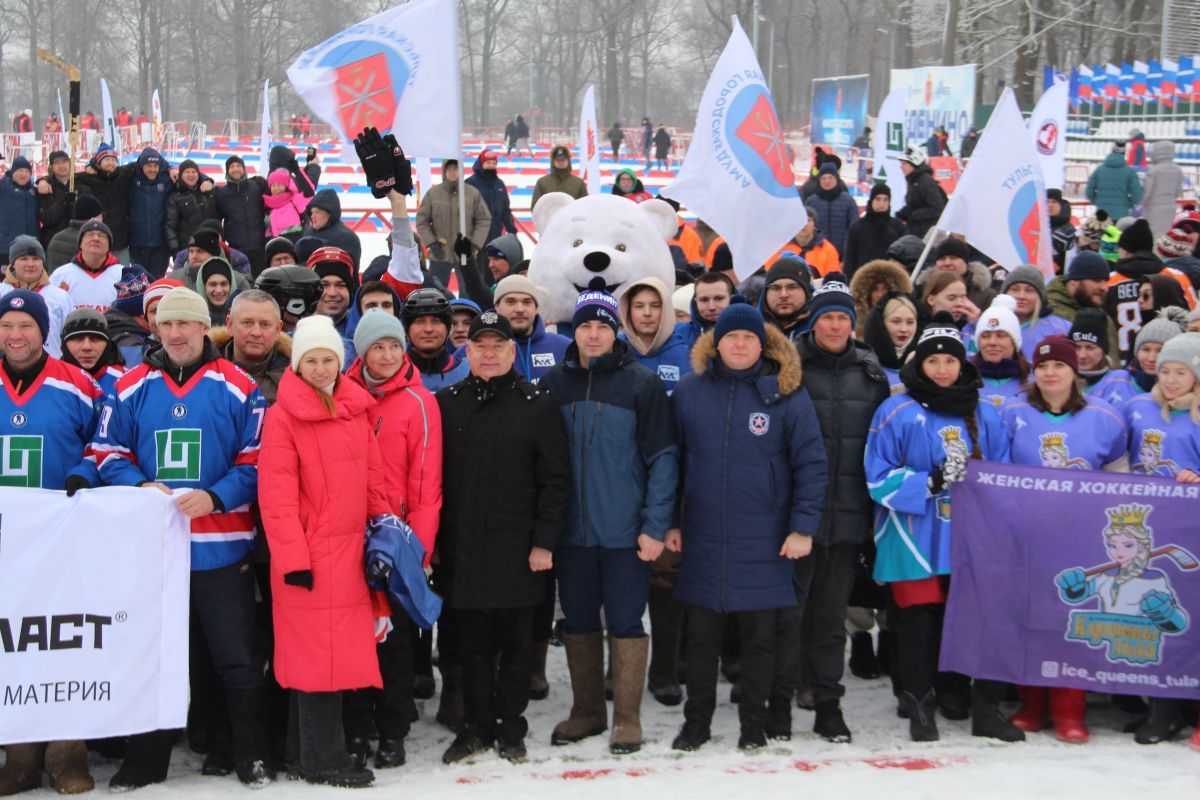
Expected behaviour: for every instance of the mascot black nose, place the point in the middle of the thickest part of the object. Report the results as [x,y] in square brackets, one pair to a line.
[596,262]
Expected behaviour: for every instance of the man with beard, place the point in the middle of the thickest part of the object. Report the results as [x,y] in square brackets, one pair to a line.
[1083,285]
[109,183]
[427,322]
[871,234]
[785,294]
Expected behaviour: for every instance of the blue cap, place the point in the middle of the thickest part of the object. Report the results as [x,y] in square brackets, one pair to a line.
[740,316]
[29,302]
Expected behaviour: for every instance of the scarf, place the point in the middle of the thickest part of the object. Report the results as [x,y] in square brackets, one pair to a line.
[1004,369]
[959,400]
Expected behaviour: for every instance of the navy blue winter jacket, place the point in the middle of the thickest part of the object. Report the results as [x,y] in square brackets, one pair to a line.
[148,203]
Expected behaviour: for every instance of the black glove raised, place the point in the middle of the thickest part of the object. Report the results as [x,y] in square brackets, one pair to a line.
[462,246]
[299,577]
[75,483]
[937,480]
[376,157]
[400,166]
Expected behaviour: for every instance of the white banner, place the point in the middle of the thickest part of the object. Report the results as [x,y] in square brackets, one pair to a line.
[999,204]
[397,71]
[938,96]
[889,145]
[589,148]
[737,176]
[264,137]
[94,632]
[1048,130]
[108,125]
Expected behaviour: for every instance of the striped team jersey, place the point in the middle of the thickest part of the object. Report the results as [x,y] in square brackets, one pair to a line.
[46,433]
[108,378]
[202,435]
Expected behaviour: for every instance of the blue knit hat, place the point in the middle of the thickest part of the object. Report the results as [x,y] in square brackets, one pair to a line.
[29,302]
[597,305]
[834,295]
[131,287]
[740,316]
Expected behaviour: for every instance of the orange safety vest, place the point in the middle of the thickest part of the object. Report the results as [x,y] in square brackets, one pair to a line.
[688,241]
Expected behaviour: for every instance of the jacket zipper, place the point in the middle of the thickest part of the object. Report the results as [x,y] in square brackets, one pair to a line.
[724,496]
[587,399]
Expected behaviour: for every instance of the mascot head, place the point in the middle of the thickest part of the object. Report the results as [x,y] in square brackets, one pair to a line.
[599,235]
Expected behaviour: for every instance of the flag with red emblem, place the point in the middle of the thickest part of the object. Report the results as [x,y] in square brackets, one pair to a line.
[397,71]
[738,176]
[999,204]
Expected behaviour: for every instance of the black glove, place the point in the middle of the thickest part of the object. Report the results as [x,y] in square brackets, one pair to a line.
[937,480]
[75,483]
[462,246]
[376,157]
[299,577]
[400,166]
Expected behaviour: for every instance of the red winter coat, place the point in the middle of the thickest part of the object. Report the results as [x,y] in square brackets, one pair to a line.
[320,478]
[408,422]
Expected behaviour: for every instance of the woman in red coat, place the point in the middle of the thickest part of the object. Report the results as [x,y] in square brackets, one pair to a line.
[320,480]
[408,423]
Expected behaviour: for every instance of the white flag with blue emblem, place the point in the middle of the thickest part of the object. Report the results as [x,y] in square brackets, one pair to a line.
[737,175]
[1048,129]
[999,204]
[397,71]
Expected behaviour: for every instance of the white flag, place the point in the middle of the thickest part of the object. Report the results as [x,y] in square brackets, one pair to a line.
[999,204]
[424,169]
[109,134]
[264,138]
[1048,129]
[94,627]
[589,148]
[889,145]
[737,176]
[397,71]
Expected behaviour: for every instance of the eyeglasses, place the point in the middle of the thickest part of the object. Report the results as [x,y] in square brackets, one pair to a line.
[780,288]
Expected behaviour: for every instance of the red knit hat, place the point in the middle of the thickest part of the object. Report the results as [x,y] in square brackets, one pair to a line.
[1174,244]
[488,155]
[1056,348]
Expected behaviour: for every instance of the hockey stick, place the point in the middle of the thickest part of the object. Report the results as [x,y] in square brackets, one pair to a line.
[1182,558]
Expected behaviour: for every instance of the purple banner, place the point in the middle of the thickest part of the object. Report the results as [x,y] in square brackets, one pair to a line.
[1081,580]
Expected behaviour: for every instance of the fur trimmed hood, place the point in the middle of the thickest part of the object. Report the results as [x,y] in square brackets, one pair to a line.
[779,349]
[666,325]
[890,273]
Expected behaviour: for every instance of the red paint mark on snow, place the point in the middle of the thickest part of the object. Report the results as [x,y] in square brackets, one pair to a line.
[584,774]
[913,763]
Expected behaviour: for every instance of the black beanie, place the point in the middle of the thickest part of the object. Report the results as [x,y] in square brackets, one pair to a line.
[86,207]
[1091,325]
[792,267]
[234,159]
[1137,237]
[208,241]
[878,189]
[941,335]
[280,244]
[953,248]
[1055,195]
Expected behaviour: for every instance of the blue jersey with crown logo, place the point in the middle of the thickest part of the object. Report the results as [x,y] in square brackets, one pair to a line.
[1089,439]
[1159,446]
[1115,387]
[998,391]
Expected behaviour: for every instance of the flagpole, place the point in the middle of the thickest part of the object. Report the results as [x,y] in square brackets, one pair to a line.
[924,253]
[462,202]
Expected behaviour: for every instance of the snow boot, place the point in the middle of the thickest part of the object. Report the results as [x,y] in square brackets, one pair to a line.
[829,724]
[424,687]
[251,753]
[359,748]
[23,769]
[66,764]
[629,681]
[450,707]
[922,716]
[666,620]
[147,758]
[465,745]
[779,718]
[1163,720]
[987,720]
[691,737]
[1032,715]
[539,687]
[510,739]
[589,714]
[863,663]
[752,737]
[1067,709]
[390,754]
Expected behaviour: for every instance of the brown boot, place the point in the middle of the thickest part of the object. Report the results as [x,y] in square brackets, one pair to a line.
[589,714]
[629,679]
[539,687]
[66,764]
[22,770]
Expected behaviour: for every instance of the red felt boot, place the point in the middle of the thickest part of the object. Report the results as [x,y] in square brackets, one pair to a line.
[1032,716]
[1067,709]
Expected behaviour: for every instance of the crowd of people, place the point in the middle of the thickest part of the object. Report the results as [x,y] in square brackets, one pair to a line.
[741,460]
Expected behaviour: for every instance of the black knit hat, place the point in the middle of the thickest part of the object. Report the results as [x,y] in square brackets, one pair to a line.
[878,189]
[94,225]
[83,321]
[940,336]
[232,160]
[1091,325]
[86,207]
[792,268]
[208,241]
[1137,237]
[953,248]
[280,244]
[1054,194]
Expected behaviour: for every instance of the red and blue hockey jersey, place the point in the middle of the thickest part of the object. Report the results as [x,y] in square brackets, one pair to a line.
[202,435]
[46,433]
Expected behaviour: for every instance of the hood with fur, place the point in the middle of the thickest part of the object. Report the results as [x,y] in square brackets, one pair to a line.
[871,274]
[666,324]
[780,351]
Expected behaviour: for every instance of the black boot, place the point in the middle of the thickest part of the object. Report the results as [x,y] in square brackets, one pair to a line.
[921,713]
[987,720]
[691,737]
[359,748]
[829,724]
[390,754]
[251,754]
[752,737]
[147,758]
[1163,720]
[450,708]
[465,745]
[218,758]
[885,651]
[862,657]
[424,687]
[779,718]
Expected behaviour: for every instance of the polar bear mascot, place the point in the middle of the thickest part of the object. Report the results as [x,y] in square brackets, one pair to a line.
[599,235]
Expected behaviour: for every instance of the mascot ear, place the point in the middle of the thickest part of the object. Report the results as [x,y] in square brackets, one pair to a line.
[547,207]
[662,216]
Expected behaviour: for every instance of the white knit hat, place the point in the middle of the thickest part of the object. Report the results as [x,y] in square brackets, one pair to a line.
[314,333]
[681,298]
[183,305]
[1000,316]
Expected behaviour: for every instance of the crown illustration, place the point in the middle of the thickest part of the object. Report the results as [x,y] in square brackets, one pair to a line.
[950,433]
[1053,439]
[1128,515]
[1152,436]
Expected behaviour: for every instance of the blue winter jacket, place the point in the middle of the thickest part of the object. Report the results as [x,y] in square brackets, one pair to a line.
[148,203]
[753,470]
[495,195]
[834,216]
[624,460]
[668,355]
[18,210]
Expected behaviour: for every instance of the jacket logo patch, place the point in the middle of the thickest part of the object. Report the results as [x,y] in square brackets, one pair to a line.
[543,359]
[668,372]
[760,423]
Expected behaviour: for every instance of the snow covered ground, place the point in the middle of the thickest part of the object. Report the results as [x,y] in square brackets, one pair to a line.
[881,762]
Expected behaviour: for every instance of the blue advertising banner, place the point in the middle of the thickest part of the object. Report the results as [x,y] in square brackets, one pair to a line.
[839,109]
[1084,580]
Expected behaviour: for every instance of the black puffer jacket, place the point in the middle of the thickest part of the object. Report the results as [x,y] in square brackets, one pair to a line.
[491,519]
[923,201]
[187,208]
[54,210]
[112,190]
[868,239]
[240,206]
[845,390]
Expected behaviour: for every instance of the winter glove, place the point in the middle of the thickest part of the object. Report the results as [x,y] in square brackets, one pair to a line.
[1160,607]
[462,246]
[300,577]
[400,166]
[75,483]
[1073,585]
[376,158]
[937,480]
